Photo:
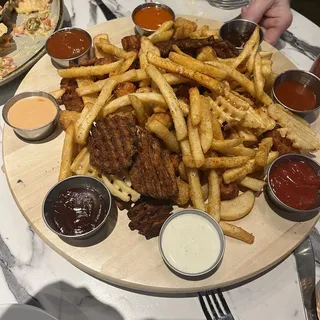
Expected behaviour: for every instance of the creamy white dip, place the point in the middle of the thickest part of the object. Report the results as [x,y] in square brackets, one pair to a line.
[191,243]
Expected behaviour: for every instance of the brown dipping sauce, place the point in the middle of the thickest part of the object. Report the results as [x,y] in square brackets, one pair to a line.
[78,210]
[238,39]
[296,95]
[68,44]
[152,17]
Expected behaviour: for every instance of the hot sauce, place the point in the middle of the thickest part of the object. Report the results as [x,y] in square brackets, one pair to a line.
[295,183]
[152,17]
[296,95]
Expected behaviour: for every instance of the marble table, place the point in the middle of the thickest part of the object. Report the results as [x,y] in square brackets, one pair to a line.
[33,273]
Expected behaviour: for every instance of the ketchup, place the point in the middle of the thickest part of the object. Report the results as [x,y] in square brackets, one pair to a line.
[316,67]
[295,183]
[296,95]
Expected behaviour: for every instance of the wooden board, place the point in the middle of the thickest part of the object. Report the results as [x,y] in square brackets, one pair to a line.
[124,257]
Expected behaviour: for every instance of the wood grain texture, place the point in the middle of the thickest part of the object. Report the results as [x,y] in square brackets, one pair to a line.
[124,257]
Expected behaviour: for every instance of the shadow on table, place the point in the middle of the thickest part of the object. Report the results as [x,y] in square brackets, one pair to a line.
[65,302]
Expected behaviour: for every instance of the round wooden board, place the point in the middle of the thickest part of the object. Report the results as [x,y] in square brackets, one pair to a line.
[124,257]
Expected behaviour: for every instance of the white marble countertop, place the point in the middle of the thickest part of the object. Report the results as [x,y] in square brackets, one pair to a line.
[33,273]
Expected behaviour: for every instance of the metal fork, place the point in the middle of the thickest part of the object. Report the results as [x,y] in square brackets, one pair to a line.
[217,304]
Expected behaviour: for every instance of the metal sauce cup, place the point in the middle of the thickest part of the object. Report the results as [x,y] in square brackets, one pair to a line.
[281,205]
[37,133]
[65,63]
[240,26]
[307,78]
[217,228]
[74,182]
[143,31]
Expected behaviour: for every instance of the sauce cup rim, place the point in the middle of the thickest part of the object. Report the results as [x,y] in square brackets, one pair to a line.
[217,228]
[302,112]
[88,233]
[150,4]
[273,164]
[38,93]
[65,29]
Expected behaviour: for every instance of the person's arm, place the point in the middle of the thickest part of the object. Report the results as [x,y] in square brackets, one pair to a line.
[274,16]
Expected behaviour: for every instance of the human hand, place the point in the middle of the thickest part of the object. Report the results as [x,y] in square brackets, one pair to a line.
[274,16]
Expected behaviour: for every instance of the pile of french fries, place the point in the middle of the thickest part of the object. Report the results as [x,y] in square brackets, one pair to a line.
[219,134]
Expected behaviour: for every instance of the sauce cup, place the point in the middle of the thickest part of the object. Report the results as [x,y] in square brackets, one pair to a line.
[186,245]
[305,213]
[304,77]
[74,182]
[144,31]
[65,63]
[239,26]
[37,133]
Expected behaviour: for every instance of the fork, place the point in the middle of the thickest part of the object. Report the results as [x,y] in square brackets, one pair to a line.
[217,305]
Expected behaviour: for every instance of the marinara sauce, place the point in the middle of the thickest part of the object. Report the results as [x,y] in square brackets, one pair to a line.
[295,183]
[296,95]
[152,17]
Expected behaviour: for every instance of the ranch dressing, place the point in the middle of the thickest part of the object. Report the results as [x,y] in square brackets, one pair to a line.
[191,243]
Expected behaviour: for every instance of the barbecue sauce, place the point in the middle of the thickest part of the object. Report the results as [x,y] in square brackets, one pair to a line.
[295,183]
[78,210]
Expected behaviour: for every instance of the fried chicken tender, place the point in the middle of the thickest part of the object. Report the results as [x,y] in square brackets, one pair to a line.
[66,117]
[131,43]
[183,27]
[124,88]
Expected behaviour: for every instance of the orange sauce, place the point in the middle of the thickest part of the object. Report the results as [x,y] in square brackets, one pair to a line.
[32,113]
[152,17]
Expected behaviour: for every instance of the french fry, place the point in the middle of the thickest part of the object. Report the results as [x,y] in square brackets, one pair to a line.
[263,151]
[83,114]
[164,118]
[139,109]
[206,54]
[170,66]
[217,162]
[236,232]
[67,153]
[84,82]
[57,94]
[214,200]
[195,189]
[184,107]
[236,174]
[125,66]
[154,99]
[238,207]
[162,132]
[81,164]
[248,48]
[109,48]
[259,81]
[81,72]
[195,144]
[252,183]
[84,128]
[195,106]
[197,65]
[221,144]
[273,155]
[216,128]
[237,151]
[183,192]
[205,191]
[174,79]
[99,54]
[266,54]
[172,101]
[176,49]
[252,58]
[129,76]
[205,127]
[166,26]
[163,36]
